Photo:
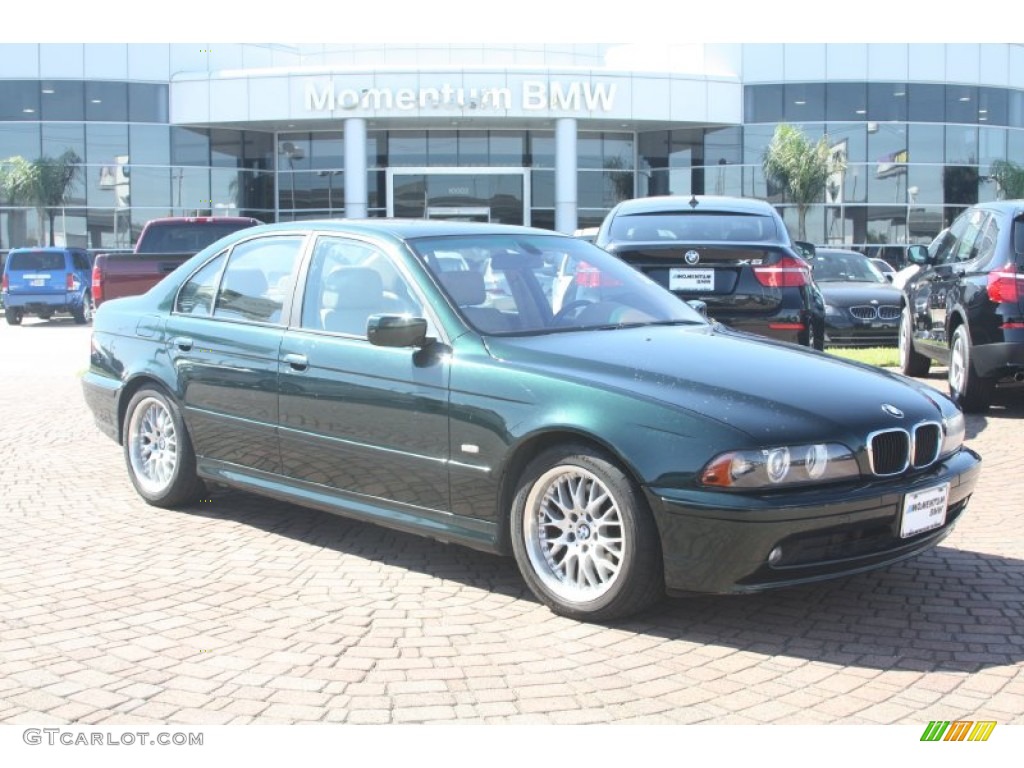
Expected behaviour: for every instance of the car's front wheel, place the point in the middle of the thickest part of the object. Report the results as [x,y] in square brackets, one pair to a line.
[912,362]
[157,450]
[583,536]
[970,391]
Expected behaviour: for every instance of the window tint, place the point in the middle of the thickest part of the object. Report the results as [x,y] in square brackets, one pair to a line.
[258,278]
[695,227]
[947,249]
[348,282]
[196,296]
[35,260]
[81,262]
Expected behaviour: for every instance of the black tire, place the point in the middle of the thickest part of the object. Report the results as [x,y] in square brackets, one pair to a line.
[973,393]
[816,334]
[619,533]
[158,451]
[912,362]
[45,315]
[83,313]
[13,316]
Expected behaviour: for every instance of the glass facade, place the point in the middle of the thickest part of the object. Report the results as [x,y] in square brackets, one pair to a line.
[917,154]
[130,164]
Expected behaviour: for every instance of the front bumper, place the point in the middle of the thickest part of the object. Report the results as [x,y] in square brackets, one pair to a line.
[719,542]
[861,333]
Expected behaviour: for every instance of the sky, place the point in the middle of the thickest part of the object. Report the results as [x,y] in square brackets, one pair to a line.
[520,21]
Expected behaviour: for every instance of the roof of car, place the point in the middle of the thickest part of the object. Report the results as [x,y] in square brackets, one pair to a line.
[407,229]
[694,204]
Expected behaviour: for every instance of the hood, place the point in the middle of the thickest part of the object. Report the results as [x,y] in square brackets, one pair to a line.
[853,294]
[773,391]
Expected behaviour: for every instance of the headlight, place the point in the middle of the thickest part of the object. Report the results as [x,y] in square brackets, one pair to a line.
[834,311]
[953,430]
[781,466]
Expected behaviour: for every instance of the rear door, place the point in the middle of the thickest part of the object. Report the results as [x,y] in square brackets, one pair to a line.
[224,339]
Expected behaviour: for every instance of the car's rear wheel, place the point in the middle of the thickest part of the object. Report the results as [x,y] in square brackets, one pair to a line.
[912,362]
[13,316]
[157,450]
[583,536]
[45,314]
[970,391]
[816,334]
[83,313]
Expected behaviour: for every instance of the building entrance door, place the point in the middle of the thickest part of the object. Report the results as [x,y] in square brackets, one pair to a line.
[501,195]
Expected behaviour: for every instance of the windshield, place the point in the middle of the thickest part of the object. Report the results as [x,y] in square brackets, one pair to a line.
[528,284]
[845,268]
[695,227]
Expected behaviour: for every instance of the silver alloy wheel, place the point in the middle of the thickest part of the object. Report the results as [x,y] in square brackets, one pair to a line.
[958,364]
[87,308]
[574,533]
[153,450]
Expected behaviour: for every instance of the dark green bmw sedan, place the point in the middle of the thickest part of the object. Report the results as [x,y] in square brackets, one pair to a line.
[524,393]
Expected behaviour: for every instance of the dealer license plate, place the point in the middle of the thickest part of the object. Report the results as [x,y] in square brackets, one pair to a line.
[691,279]
[924,510]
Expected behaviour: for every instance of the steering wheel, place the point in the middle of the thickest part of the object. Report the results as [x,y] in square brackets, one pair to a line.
[563,313]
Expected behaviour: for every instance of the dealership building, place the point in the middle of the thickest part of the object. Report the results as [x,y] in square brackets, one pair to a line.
[547,135]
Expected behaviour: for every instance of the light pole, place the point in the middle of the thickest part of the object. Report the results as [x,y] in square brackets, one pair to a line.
[293,153]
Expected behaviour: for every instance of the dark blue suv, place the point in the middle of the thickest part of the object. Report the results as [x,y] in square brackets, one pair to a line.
[45,281]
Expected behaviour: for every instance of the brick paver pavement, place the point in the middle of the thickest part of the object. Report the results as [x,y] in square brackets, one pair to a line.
[242,610]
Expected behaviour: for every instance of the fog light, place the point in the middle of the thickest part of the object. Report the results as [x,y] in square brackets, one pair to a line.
[774,556]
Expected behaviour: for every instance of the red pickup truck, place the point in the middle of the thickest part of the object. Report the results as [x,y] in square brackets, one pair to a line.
[163,246]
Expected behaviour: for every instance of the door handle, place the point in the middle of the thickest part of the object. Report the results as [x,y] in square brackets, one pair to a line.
[297,362]
[167,268]
[184,343]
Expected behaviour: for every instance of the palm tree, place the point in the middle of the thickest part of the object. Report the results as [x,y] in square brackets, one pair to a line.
[15,189]
[801,169]
[1009,177]
[51,182]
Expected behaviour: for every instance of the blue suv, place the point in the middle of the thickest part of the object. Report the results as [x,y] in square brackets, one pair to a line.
[45,281]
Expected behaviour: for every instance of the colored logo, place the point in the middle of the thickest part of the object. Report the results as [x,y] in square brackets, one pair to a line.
[692,257]
[892,410]
[958,730]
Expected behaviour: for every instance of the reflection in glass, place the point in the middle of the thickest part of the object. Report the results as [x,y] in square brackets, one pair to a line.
[925,184]
[19,100]
[763,104]
[148,103]
[927,143]
[887,102]
[961,144]
[58,138]
[846,101]
[926,102]
[190,146]
[961,104]
[19,139]
[61,100]
[104,142]
[886,224]
[149,144]
[805,102]
[106,101]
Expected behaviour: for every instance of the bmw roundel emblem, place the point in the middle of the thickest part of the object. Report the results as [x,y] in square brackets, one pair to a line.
[692,257]
[892,410]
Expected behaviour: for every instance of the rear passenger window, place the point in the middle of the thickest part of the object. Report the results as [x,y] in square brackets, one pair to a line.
[985,248]
[258,279]
[196,296]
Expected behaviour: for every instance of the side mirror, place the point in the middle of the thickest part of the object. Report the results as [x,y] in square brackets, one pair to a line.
[396,331]
[889,276]
[807,250]
[918,254]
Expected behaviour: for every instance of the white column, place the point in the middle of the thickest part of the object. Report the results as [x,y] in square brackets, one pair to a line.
[566,199]
[355,168]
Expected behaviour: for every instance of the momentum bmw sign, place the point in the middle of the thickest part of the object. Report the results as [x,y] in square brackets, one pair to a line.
[531,95]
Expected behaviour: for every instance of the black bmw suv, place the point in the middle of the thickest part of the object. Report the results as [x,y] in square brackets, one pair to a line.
[965,307]
[733,254]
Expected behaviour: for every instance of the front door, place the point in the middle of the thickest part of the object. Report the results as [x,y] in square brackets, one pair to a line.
[500,195]
[363,422]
